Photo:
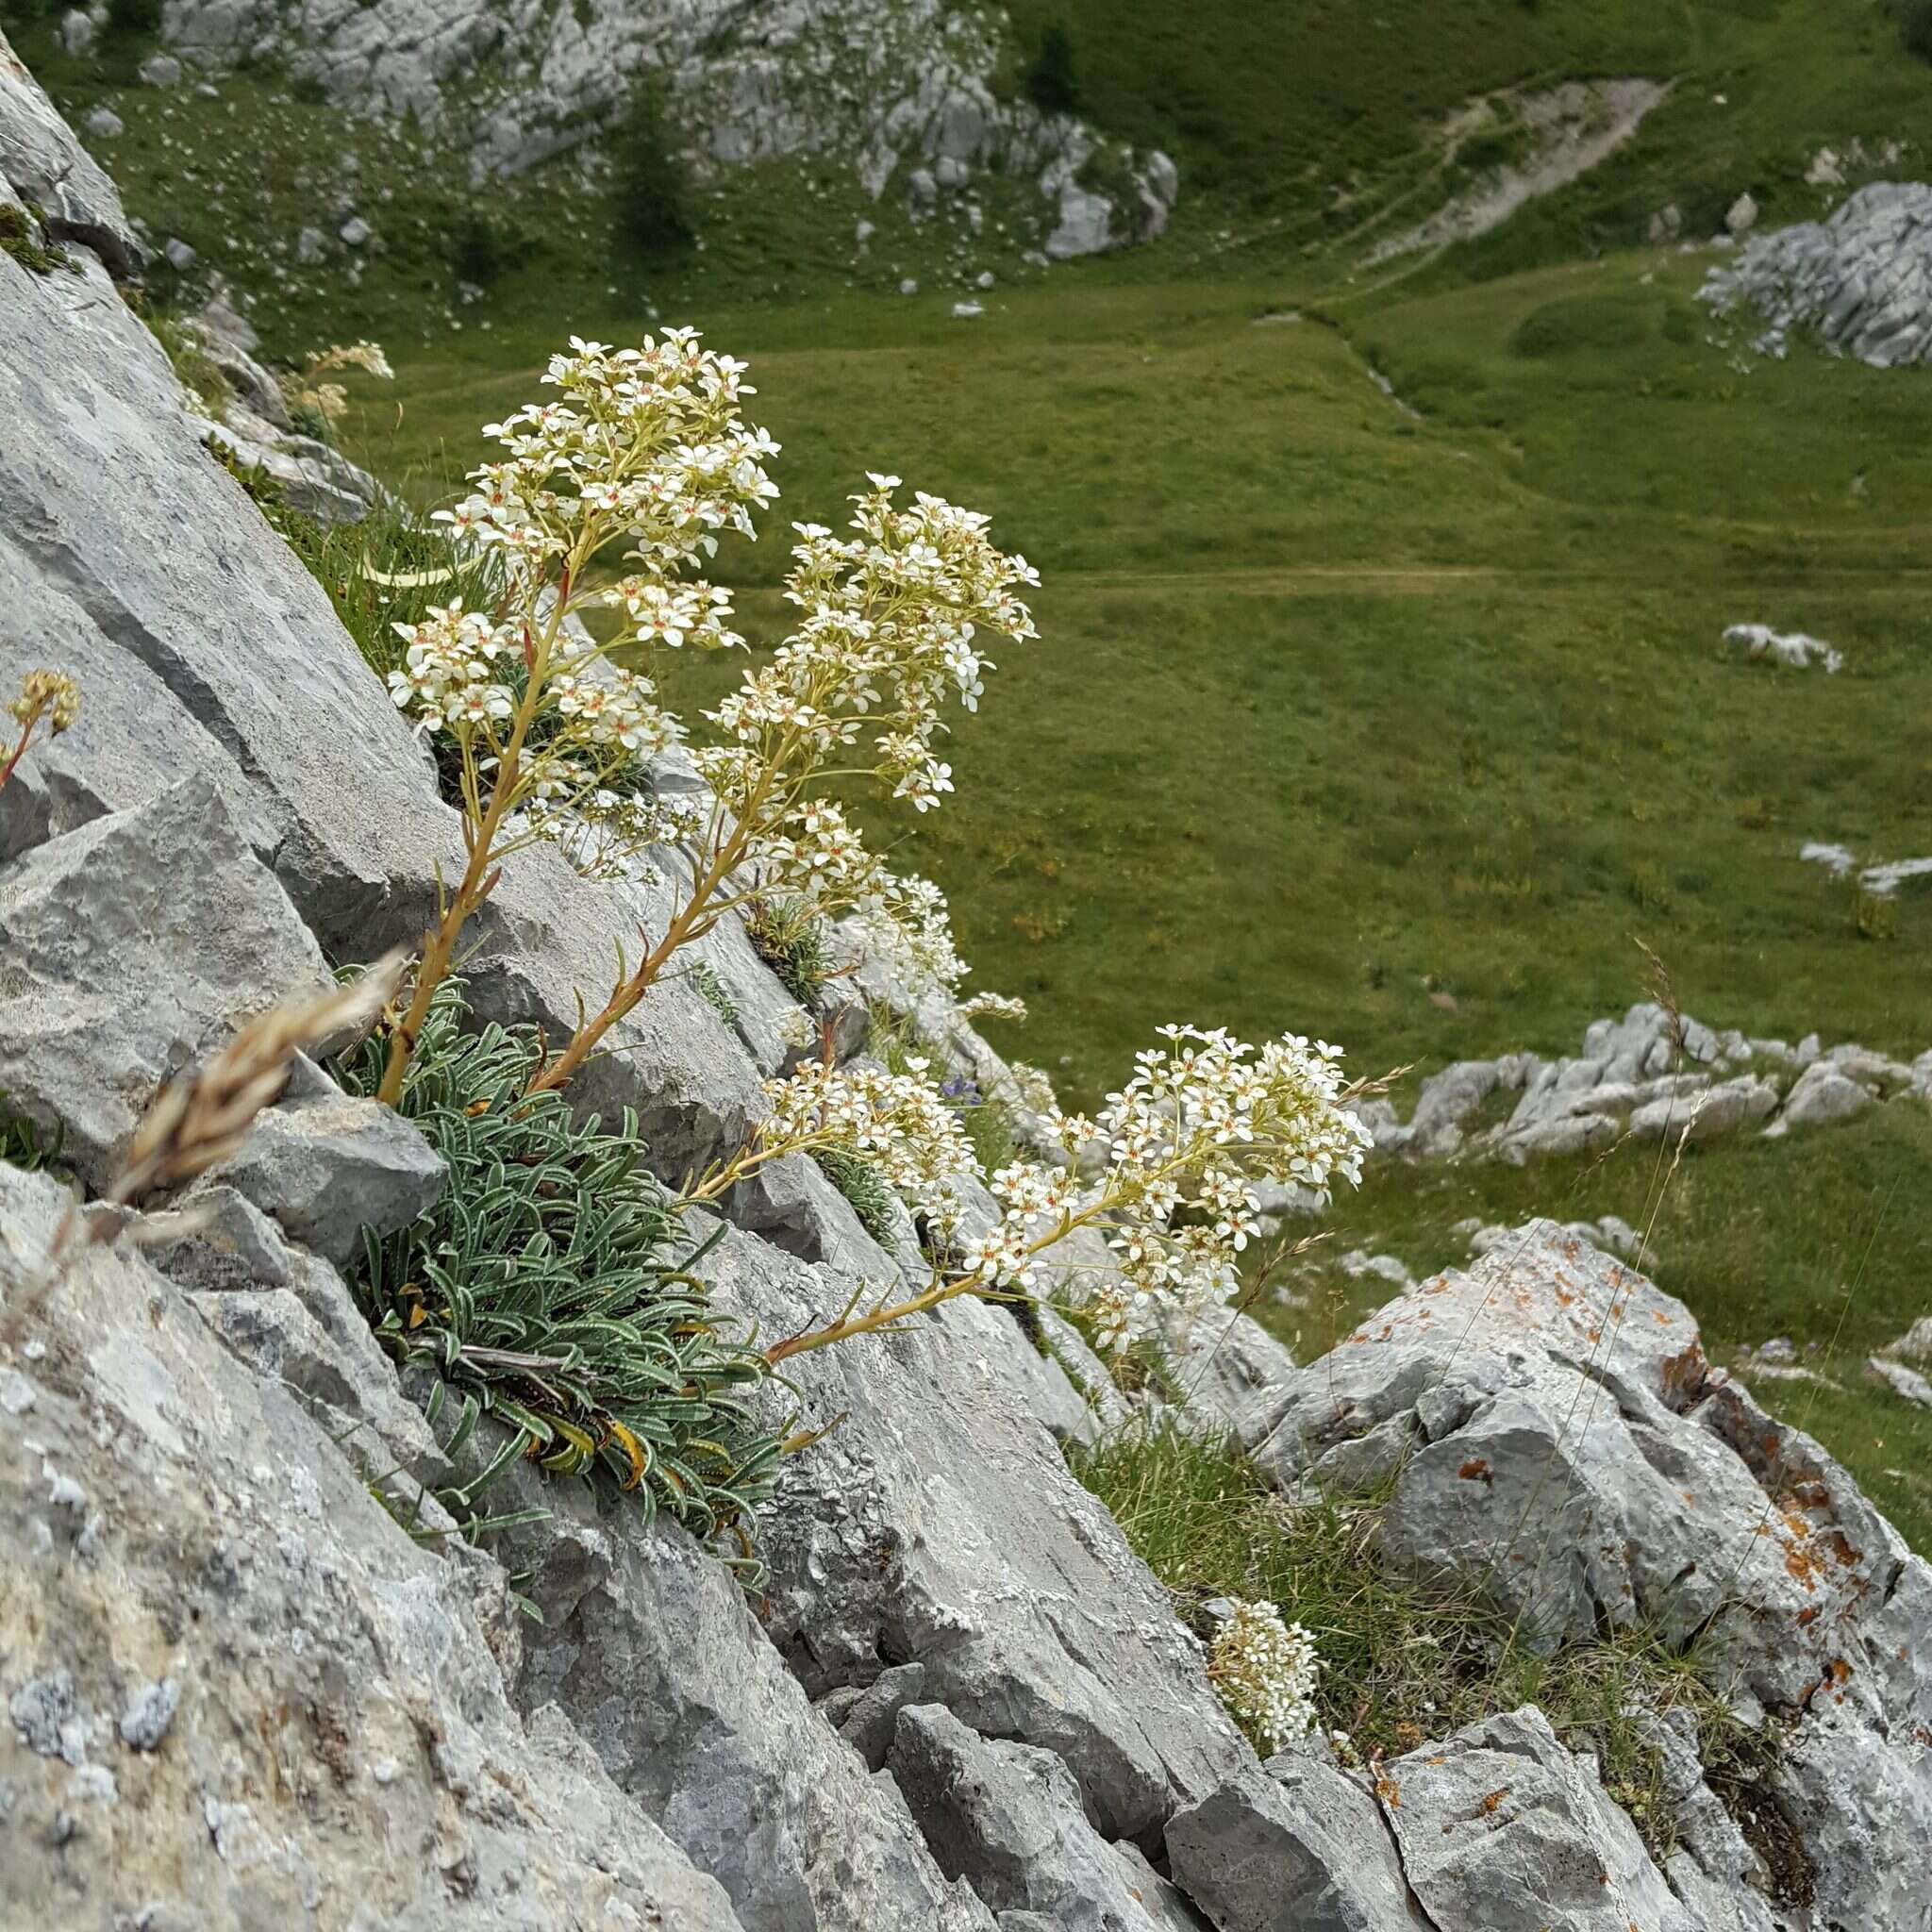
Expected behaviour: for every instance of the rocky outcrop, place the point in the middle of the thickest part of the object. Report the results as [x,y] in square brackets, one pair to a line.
[1553,1435]
[901,90]
[255,429]
[936,1524]
[1862,280]
[201,644]
[1651,1076]
[249,1671]
[234,1691]
[1500,1826]
[238,796]
[42,165]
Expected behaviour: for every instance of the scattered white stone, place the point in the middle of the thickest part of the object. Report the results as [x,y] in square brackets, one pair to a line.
[309,246]
[1862,279]
[161,70]
[1823,1091]
[103,124]
[17,1395]
[1793,648]
[78,31]
[93,1783]
[1901,1381]
[181,257]
[355,232]
[909,286]
[985,279]
[1915,1344]
[966,311]
[1836,860]
[1741,217]
[1359,1265]
[149,1712]
[1884,880]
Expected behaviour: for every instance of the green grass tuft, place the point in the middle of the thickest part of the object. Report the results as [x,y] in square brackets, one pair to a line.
[1403,1660]
[21,237]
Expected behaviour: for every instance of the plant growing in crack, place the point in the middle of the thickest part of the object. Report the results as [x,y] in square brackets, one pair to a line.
[647,448]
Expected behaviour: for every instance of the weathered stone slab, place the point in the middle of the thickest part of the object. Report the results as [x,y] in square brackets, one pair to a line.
[238,1693]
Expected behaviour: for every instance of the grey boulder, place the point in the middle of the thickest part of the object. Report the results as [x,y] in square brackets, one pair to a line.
[327,1165]
[1007,1819]
[133,945]
[1823,1091]
[936,1522]
[1502,1829]
[337,1747]
[1296,1845]
[646,1643]
[1553,1435]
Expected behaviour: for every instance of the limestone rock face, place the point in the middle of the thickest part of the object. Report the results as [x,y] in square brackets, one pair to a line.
[1555,1435]
[133,945]
[236,1692]
[936,1524]
[1008,1817]
[201,644]
[1295,1846]
[1862,279]
[1501,1827]
[41,162]
[899,90]
[647,1645]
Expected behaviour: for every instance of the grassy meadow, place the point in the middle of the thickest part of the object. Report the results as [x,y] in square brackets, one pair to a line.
[1381,691]
[1404,719]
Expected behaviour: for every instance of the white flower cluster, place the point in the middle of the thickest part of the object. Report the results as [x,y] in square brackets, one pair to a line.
[1201,1120]
[1265,1673]
[645,445]
[906,925]
[892,618]
[897,1123]
[646,441]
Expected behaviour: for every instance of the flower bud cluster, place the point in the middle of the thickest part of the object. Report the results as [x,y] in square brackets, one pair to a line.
[899,1124]
[1265,1671]
[50,694]
[992,1006]
[646,441]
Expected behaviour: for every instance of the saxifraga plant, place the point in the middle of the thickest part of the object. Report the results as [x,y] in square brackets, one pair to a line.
[49,697]
[545,1290]
[790,937]
[646,448]
[866,1192]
